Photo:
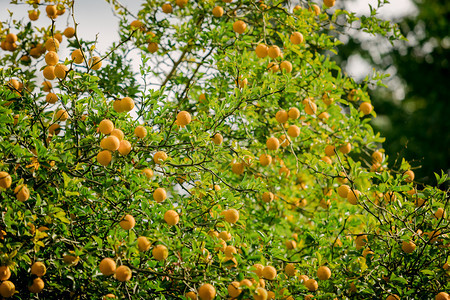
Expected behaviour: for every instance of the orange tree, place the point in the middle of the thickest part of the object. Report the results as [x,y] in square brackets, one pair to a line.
[237,162]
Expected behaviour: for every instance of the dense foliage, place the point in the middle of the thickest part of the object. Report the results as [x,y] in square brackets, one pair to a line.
[237,163]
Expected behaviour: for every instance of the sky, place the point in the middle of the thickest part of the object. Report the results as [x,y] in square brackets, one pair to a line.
[95,17]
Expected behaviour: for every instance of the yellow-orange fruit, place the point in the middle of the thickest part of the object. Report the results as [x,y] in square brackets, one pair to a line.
[127,222]
[46,86]
[54,129]
[143,243]
[284,141]
[160,252]
[231,215]
[183,118]
[49,72]
[343,190]
[273,67]
[5,180]
[265,159]
[360,241]
[353,196]
[69,32]
[316,9]
[61,71]
[286,66]
[269,273]
[377,156]
[159,157]
[51,58]
[329,3]
[303,278]
[311,285]
[293,131]
[366,108]
[291,244]
[148,173]
[106,126]
[140,131]
[310,107]
[37,286]
[51,44]
[126,104]
[408,246]
[260,294]
[293,113]
[7,289]
[107,266]
[274,51]
[51,98]
[61,115]
[282,116]
[329,150]
[410,176]
[217,139]
[238,168]
[273,143]
[440,213]
[117,106]
[217,11]
[296,38]
[33,15]
[346,148]
[58,36]
[109,296]
[124,147]
[95,63]
[77,56]
[167,8]
[38,269]
[442,296]
[51,11]
[230,251]
[5,273]
[137,25]
[152,47]
[118,134]
[290,270]
[233,289]
[123,273]
[11,38]
[191,295]
[262,50]
[258,269]
[393,297]
[323,273]
[171,217]
[225,235]
[111,143]
[207,292]
[268,197]
[159,195]
[22,192]
[239,26]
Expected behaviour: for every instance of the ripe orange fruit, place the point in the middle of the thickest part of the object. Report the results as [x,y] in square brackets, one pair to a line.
[296,38]
[51,58]
[230,251]
[310,107]
[183,118]
[273,143]
[37,286]
[233,289]
[207,292]
[5,180]
[377,156]
[311,285]
[5,273]
[360,241]
[191,295]
[61,115]
[104,157]
[148,173]
[51,98]
[95,63]
[137,25]
[123,273]
[442,296]
[366,108]
[231,215]
[7,289]
[273,67]
[260,294]
[160,252]
[159,157]
[109,296]
[291,244]
[51,44]
[293,113]
[217,11]
[268,197]
[284,141]
[286,66]
[38,269]
[274,51]
[440,213]
[33,15]
[51,11]
[316,9]
[293,131]
[258,269]
[106,126]
[171,217]
[410,176]
[143,243]
[111,143]
[167,8]
[290,270]
[329,3]
[107,266]
[140,132]
[353,196]
[323,273]
[77,56]
[238,168]
[239,26]
[346,148]
[49,72]
[117,133]
[408,247]
[269,273]
[225,235]
[127,222]
[22,192]
[262,50]
[159,195]
[265,159]
[61,71]
[303,278]
[343,190]
[217,139]
[69,32]
[152,47]
[126,104]
[393,297]
[281,116]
